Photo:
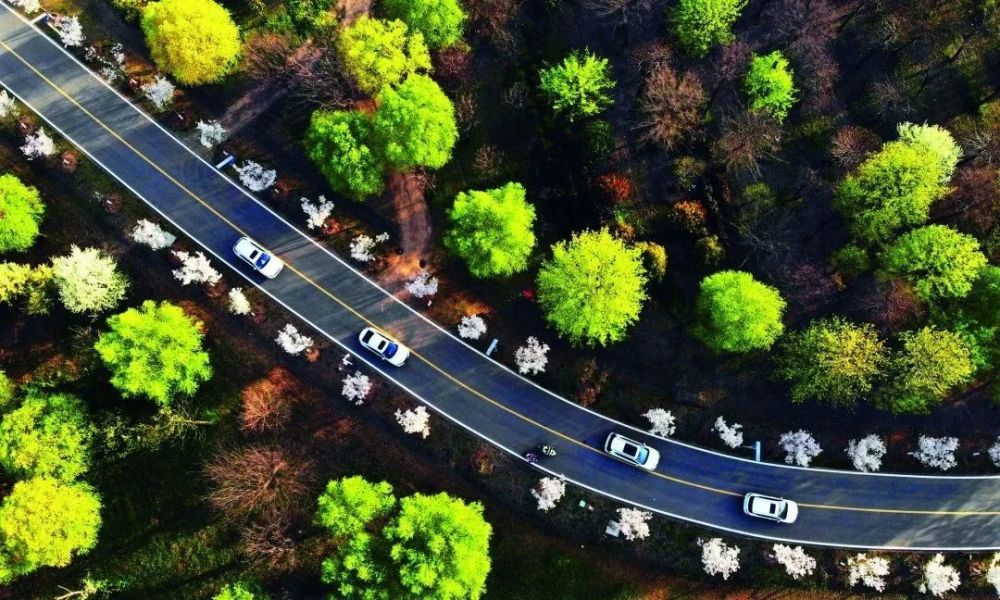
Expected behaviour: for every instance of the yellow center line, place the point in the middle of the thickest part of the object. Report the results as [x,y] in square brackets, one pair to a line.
[434,366]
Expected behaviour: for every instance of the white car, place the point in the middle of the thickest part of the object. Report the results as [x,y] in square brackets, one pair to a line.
[261,260]
[770,508]
[384,346]
[633,452]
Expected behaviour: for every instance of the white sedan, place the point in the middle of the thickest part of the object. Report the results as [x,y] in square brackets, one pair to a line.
[633,452]
[384,346]
[261,260]
[770,508]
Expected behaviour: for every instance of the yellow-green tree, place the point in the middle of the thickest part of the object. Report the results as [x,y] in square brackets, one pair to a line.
[196,41]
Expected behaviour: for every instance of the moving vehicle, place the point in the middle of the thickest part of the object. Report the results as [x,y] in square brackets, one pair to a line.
[770,508]
[384,346]
[633,452]
[261,260]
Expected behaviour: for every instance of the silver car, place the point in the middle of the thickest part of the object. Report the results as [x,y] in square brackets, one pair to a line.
[261,260]
[770,508]
[384,346]
[633,452]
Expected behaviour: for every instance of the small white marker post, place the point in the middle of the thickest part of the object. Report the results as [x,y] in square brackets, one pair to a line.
[493,346]
[230,159]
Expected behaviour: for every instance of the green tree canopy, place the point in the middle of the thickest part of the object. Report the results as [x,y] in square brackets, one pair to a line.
[440,21]
[338,142]
[32,284]
[44,523]
[381,53]
[936,260]
[154,351]
[492,230]
[415,124]
[241,590]
[892,189]
[976,318]
[88,280]
[46,436]
[770,85]
[196,41]
[832,361]
[929,365]
[7,391]
[579,86]
[737,313]
[700,25]
[21,208]
[592,288]
[347,506]
[936,140]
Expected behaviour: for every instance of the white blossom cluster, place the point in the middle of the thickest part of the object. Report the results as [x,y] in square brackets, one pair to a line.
[422,285]
[150,234]
[634,523]
[532,357]
[291,341]
[731,435]
[548,492]
[69,30]
[317,212]
[111,66]
[160,92]
[195,268]
[363,247]
[416,421]
[28,6]
[993,572]
[210,133]
[356,388]
[797,563]
[718,558]
[994,452]
[938,578]
[255,177]
[938,453]
[472,327]
[238,303]
[866,453]
[8,105]
[38,145]
[661,422]
[800,447]
[870,571]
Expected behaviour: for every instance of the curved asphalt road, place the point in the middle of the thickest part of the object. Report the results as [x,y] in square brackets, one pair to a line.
[837,508]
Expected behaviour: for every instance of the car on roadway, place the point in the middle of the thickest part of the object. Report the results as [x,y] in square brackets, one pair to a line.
[257,257]
[770,508]
[633,452]
[384,346]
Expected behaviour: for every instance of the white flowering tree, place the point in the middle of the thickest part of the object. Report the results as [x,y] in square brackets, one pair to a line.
[8,106]
[88,280]
[69,30]
[866,453]
[38,145]
[210,133]
[28,6]
[317,212]
[238,303]
[719,558]
[797,563]
[363,246]
[994,453]
[160,92]
[416,421]
[937,453]
[661,422]
[532,357]
[195,268]
[800,447]
[255,177]
[634,523]
[292,341]
[150,234]
[731,435]
[113,65]
[548,492]
[472,327]
[938,578]
[993,573]
[356,388]
[422,285]
[868,570]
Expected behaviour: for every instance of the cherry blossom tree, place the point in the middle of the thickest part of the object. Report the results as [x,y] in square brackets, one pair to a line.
[422,285]
[416,421]
[160,92]
[28,6]
[317,212]
[797,563]
[38,145]
[363,247]
[255,177]
[993,572]
[69,30]
[718,558]
[111,65]
[868,570]
[210,133]
[238,303]
[532,357]
[150,234]
[800,447]
[195,268]
[8,106]
[548,491]
[994,452]
[634,523]
[866,453]
[88,280]
[938,453]
[356,388]
[661,422]
[291,341]
[938,578]
[472,327]
[731,435]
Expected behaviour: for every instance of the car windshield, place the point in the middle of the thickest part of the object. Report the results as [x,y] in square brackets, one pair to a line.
[262,260]
[390,350]
[641,457]
[630,449]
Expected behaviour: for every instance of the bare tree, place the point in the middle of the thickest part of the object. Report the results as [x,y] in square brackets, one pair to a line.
[270,545]
[672,104]
[267,402]
[852,145]
[747,139]
[619,12]
[262,481]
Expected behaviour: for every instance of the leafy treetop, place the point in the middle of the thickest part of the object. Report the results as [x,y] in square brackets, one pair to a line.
[930,363]
[936,260]
[579,86]
[976,318]
[339,143]
[21,212]
[382,53]
[46,436]
[415,124]
[196,41]
[440,21]
[701,25]
[936,140]
[241,590]
[492,230]
[770,85]
[347,506]
[737,313]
